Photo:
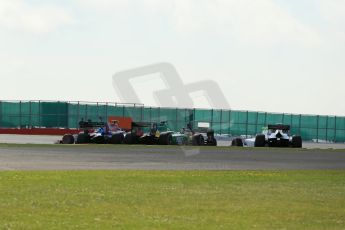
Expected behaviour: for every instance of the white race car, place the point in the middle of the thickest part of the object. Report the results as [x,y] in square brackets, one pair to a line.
[273,136]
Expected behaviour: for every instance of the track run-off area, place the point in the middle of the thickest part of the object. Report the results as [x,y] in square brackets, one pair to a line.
[137,157]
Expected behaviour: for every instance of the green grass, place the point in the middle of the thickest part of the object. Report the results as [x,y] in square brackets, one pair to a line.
[172,200]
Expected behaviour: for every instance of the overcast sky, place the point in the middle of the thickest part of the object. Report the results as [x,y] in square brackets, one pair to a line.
[267,55]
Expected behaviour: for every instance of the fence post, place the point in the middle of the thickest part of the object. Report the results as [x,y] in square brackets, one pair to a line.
[150,114]
[291,120]
[106,111]
[265,118]
[343,140]
[247,116]
[317,129]
[0,113]
[299,124]
[132,112]
[212,116]
[97,110]
[221,122]
[327,129]
[283,118]
[86,113]
[58,114]
[78,115]
[185,117]
[335,129]
[256,122]
[39,114]
[229,122]
[20,114]
[194,118]
[176,119]
[30,115]
[159,114]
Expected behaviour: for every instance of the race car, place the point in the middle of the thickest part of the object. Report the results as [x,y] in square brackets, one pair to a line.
[149,133]
[152,133]
[200,136]
[273,136]
[97,133]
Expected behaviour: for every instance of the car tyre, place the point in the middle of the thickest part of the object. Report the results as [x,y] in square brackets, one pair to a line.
[117,138]
[98,140]
[260,141]
[165,139]
[68,139]
[128,139]
[213,142]
[198,140]
[297,142]
[238,142]
[83,138]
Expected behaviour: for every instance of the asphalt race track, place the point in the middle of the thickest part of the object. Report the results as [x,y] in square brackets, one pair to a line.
[92,157]
[37,139]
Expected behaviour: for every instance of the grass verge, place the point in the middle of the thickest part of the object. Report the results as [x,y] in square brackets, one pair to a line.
[172,200]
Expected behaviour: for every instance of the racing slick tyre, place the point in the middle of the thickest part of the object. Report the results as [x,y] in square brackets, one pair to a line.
[147,140]
[68,139]
[198,140]
[98,140]
[260,141]
[213,142]
[165,139]
[238,142]
[162,139]
[117,138]
[83,138]
[128,140]
[296,142]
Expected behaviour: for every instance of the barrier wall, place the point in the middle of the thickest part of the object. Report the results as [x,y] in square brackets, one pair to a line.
[50,114]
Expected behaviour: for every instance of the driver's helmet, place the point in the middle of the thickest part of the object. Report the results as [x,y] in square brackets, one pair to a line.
[100,130]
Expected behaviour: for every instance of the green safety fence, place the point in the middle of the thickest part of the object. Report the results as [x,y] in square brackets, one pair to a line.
[51,114]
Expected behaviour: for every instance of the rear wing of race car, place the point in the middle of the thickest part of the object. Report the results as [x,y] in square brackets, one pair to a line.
[279,127]
[91,124]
